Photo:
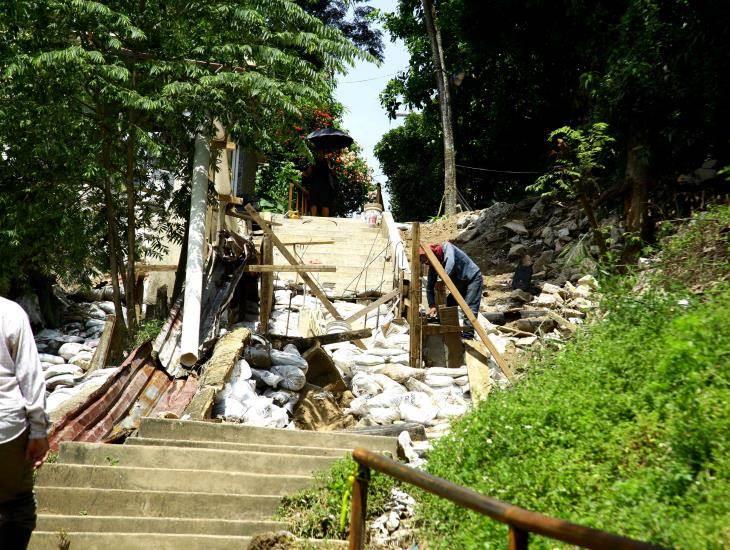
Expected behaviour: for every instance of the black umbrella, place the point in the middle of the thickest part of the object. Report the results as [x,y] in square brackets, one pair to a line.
[330,139]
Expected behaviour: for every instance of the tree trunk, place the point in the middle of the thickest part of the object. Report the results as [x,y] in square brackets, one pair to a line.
[131,288]
[637,201]
[112,231]
[442,83]
[590,213]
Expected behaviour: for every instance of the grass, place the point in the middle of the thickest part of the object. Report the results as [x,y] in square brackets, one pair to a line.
[626,429]
[316,512]
[147,330]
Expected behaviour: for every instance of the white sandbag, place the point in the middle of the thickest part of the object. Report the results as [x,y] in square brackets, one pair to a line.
[401,373]
[57,370]
[388,384]
[445,371]
[293,378]
[241,371]
[233,408]
[62,380]
[417,407]
[47,334]
[82,359]
[282,358]
[384,415]
[388,399]
[364,384]
[462,381]
[367,359]
[53,359]
[258,356]
[402,359]
[450,410]
[267,377]
[70,349]
[282,297]
[359,406]
[106,307]
[438,381]
[278,417]
[259,413]
[385,352]
[344,359]
[283,398]
[243,390]
[417,386]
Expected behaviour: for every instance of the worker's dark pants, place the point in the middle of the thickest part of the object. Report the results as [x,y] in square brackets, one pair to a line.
[472,293]
[17,502]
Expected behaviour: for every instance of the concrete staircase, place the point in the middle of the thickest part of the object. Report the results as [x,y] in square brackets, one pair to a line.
[361,253]
[181,485]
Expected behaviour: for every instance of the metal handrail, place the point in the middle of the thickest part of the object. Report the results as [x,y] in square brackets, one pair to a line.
[521,522]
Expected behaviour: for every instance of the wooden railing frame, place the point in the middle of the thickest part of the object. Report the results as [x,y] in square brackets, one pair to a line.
[302,198]
[521,522]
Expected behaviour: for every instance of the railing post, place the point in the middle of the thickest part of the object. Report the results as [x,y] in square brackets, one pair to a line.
[517,538]
[291,193]
[359,510]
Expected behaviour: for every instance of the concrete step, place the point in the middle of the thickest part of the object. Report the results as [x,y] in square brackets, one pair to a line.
[228,446]
[83,501]
[46,540]
[351,259]
[163,479]
[138,524]
[176,458]
[238,433]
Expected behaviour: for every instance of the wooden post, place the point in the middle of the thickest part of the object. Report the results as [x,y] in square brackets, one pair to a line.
[477,368]
[517,538]
[101,355]
[267,286]
[311,283]
[414,313]
[401,296]
[449,316]
[468,312]
[291,193]
[359,509]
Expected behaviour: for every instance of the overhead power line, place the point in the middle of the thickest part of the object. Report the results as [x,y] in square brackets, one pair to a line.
[369,79]
[498,171]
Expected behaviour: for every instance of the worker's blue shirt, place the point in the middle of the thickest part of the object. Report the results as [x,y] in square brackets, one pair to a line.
[460,267]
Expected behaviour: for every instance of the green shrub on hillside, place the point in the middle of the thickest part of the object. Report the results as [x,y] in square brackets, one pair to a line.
[315,512]
[627,429]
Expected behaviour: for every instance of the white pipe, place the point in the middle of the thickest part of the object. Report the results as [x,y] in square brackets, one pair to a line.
[190,339]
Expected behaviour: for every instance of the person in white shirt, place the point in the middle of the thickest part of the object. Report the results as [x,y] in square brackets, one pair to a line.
[23,425]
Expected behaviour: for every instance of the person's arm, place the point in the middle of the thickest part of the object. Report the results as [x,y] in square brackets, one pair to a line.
[449,258]
[32,384]
[431,287]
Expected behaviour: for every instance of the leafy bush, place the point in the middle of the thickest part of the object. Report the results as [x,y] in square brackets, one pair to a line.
[627,429]
[315,512]
[147,330]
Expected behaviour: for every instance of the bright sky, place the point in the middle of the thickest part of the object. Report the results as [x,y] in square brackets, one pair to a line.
[358,91]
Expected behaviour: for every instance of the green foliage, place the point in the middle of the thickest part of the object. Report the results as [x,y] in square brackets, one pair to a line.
[272,184]
[410,156]
[626,429]
[579,159]
[315,512]
[147,331]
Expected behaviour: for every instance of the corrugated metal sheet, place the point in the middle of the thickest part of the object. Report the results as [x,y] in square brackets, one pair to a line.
[138,388]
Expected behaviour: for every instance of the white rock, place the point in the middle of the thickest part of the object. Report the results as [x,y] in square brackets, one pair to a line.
[551,288]
[393,521]
[517,226]
[589,281]
[564,232]
[548,299]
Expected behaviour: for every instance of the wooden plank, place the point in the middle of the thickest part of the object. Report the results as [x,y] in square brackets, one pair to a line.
[375,305]
[477,368]
[401,295]
[468,312]
[303,344]
[266,298]
[102,353]
[230,199]
[286,268]
[414,313]
[434,329]
[311,283]
[449,316]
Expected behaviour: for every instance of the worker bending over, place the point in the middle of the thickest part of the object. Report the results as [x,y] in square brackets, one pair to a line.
[465,274]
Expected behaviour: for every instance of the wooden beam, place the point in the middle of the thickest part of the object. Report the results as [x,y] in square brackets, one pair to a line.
[295,243]
[435,264]
[449,316]
[432,329]
[266,299]
[303,344]
[103,351]
[414,290]
[375,305]
[311,283]
[477,368]
[230,199]
[286,268]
